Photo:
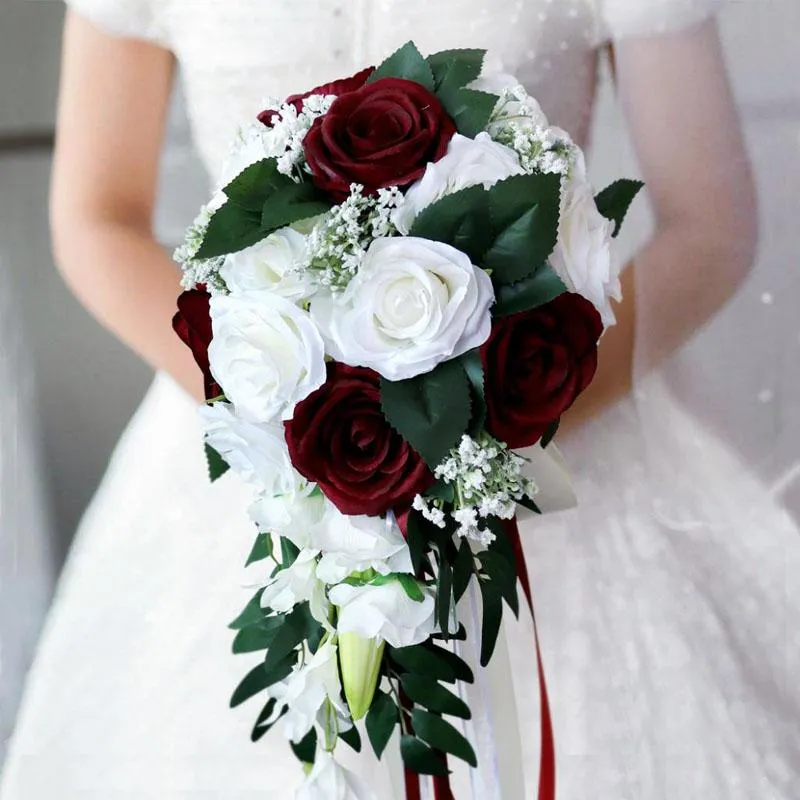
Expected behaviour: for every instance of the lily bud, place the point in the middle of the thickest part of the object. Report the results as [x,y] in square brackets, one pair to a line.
[360,661]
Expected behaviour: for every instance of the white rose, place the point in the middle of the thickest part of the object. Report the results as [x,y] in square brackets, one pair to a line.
[274,264]
[583,255]
[515,104]
[266,354]
[413,304]
[354,544]
[305,691]
[468,162]
[298,583]
[330,781]
[256,452]
[384,612]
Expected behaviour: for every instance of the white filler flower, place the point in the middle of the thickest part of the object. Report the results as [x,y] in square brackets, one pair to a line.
[266,354]
[330,781]
[413,304]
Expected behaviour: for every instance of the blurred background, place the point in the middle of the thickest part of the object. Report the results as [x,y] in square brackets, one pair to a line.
[67,388]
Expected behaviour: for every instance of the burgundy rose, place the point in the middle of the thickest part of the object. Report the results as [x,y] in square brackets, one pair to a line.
[336,87]
[537,362]
[340,439]
[192,323]
[380,135]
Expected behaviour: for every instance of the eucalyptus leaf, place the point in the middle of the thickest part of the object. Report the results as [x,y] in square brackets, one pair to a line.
[251,613]
[435,662]
[463,570]
[432,695]
[444,596]
[492,618]
[286,640]
[259,636]
[263,724]
[441,735]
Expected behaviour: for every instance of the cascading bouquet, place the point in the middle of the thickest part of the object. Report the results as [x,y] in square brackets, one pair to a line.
[402,281]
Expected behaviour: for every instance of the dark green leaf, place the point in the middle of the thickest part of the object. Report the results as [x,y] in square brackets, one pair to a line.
[306,748]
[411,586]
[417,539]
[258,636]
[289,552]
[352,738]
[463,570]
[531,292]
[251,614]
[458,219]
[419,758]
[408,63]
[524,213]
[255,184]
[492,618]
[503,576]
[527,502]
[453,69]
[286,639]
[292,203]
[615,200]
[441,735]
[444,595]
[474,369]
[435,662]
[259,679]
[549,434]
[217,466]
[261,549]
[230,229]
[469,109]
[382,716]
[441,491]
[431,411]
[263,726]
[433,696]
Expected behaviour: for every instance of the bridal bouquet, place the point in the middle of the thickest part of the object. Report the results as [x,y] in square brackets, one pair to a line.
[401,282]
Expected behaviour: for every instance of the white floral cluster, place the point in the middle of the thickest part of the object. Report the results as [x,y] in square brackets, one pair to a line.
[338,243]
[199,270]
[284,139]
[487,481]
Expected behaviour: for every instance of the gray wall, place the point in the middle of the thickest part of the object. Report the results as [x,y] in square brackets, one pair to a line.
[89,384]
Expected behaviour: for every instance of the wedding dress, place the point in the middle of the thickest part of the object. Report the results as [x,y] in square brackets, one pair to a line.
[669,638]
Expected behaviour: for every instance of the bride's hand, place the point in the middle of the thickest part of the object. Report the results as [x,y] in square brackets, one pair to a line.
[112,109]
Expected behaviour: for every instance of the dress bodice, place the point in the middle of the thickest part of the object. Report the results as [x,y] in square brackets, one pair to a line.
[235,53]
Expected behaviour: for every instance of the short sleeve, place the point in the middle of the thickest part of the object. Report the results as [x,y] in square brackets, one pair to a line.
[627,18]
[134,19]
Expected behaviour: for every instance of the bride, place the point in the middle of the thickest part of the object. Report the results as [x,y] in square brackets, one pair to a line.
[668,600]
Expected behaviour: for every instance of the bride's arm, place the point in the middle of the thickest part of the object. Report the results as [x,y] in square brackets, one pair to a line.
[112,109]
[677,100]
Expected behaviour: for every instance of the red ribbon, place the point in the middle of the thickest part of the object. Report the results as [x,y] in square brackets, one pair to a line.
[547,763]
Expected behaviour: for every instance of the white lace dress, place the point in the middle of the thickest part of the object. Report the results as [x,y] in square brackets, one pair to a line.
[669,654]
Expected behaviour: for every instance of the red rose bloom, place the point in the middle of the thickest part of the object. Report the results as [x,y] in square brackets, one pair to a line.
[192,323]
[536,364]
[336,87]
[340,439]
[380,135]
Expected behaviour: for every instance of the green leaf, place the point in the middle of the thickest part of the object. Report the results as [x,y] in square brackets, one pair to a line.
[433,696]
[469,109]
[306,748]
[292,203]
[442,491]
[492,618]
[382,716]
[524,212]
[352,738]
[411,586]
[259,679]
[453,69]
[549,434]
[457,219]
[431,411]
[435,662]
[262,726]
[503,576]
[615,200]
[441,735]
[217,466]
[289,552]
[288,637]
[262,548]
[251,188]
[416,529]
[473,367]
[419,758]
[527,502]
[444,595]
[463,570]
[251,614]
[258,636]
[230,229]
[408,63]
[537,289]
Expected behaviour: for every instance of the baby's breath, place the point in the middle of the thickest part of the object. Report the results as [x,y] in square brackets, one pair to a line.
[199,270]
[338,244]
